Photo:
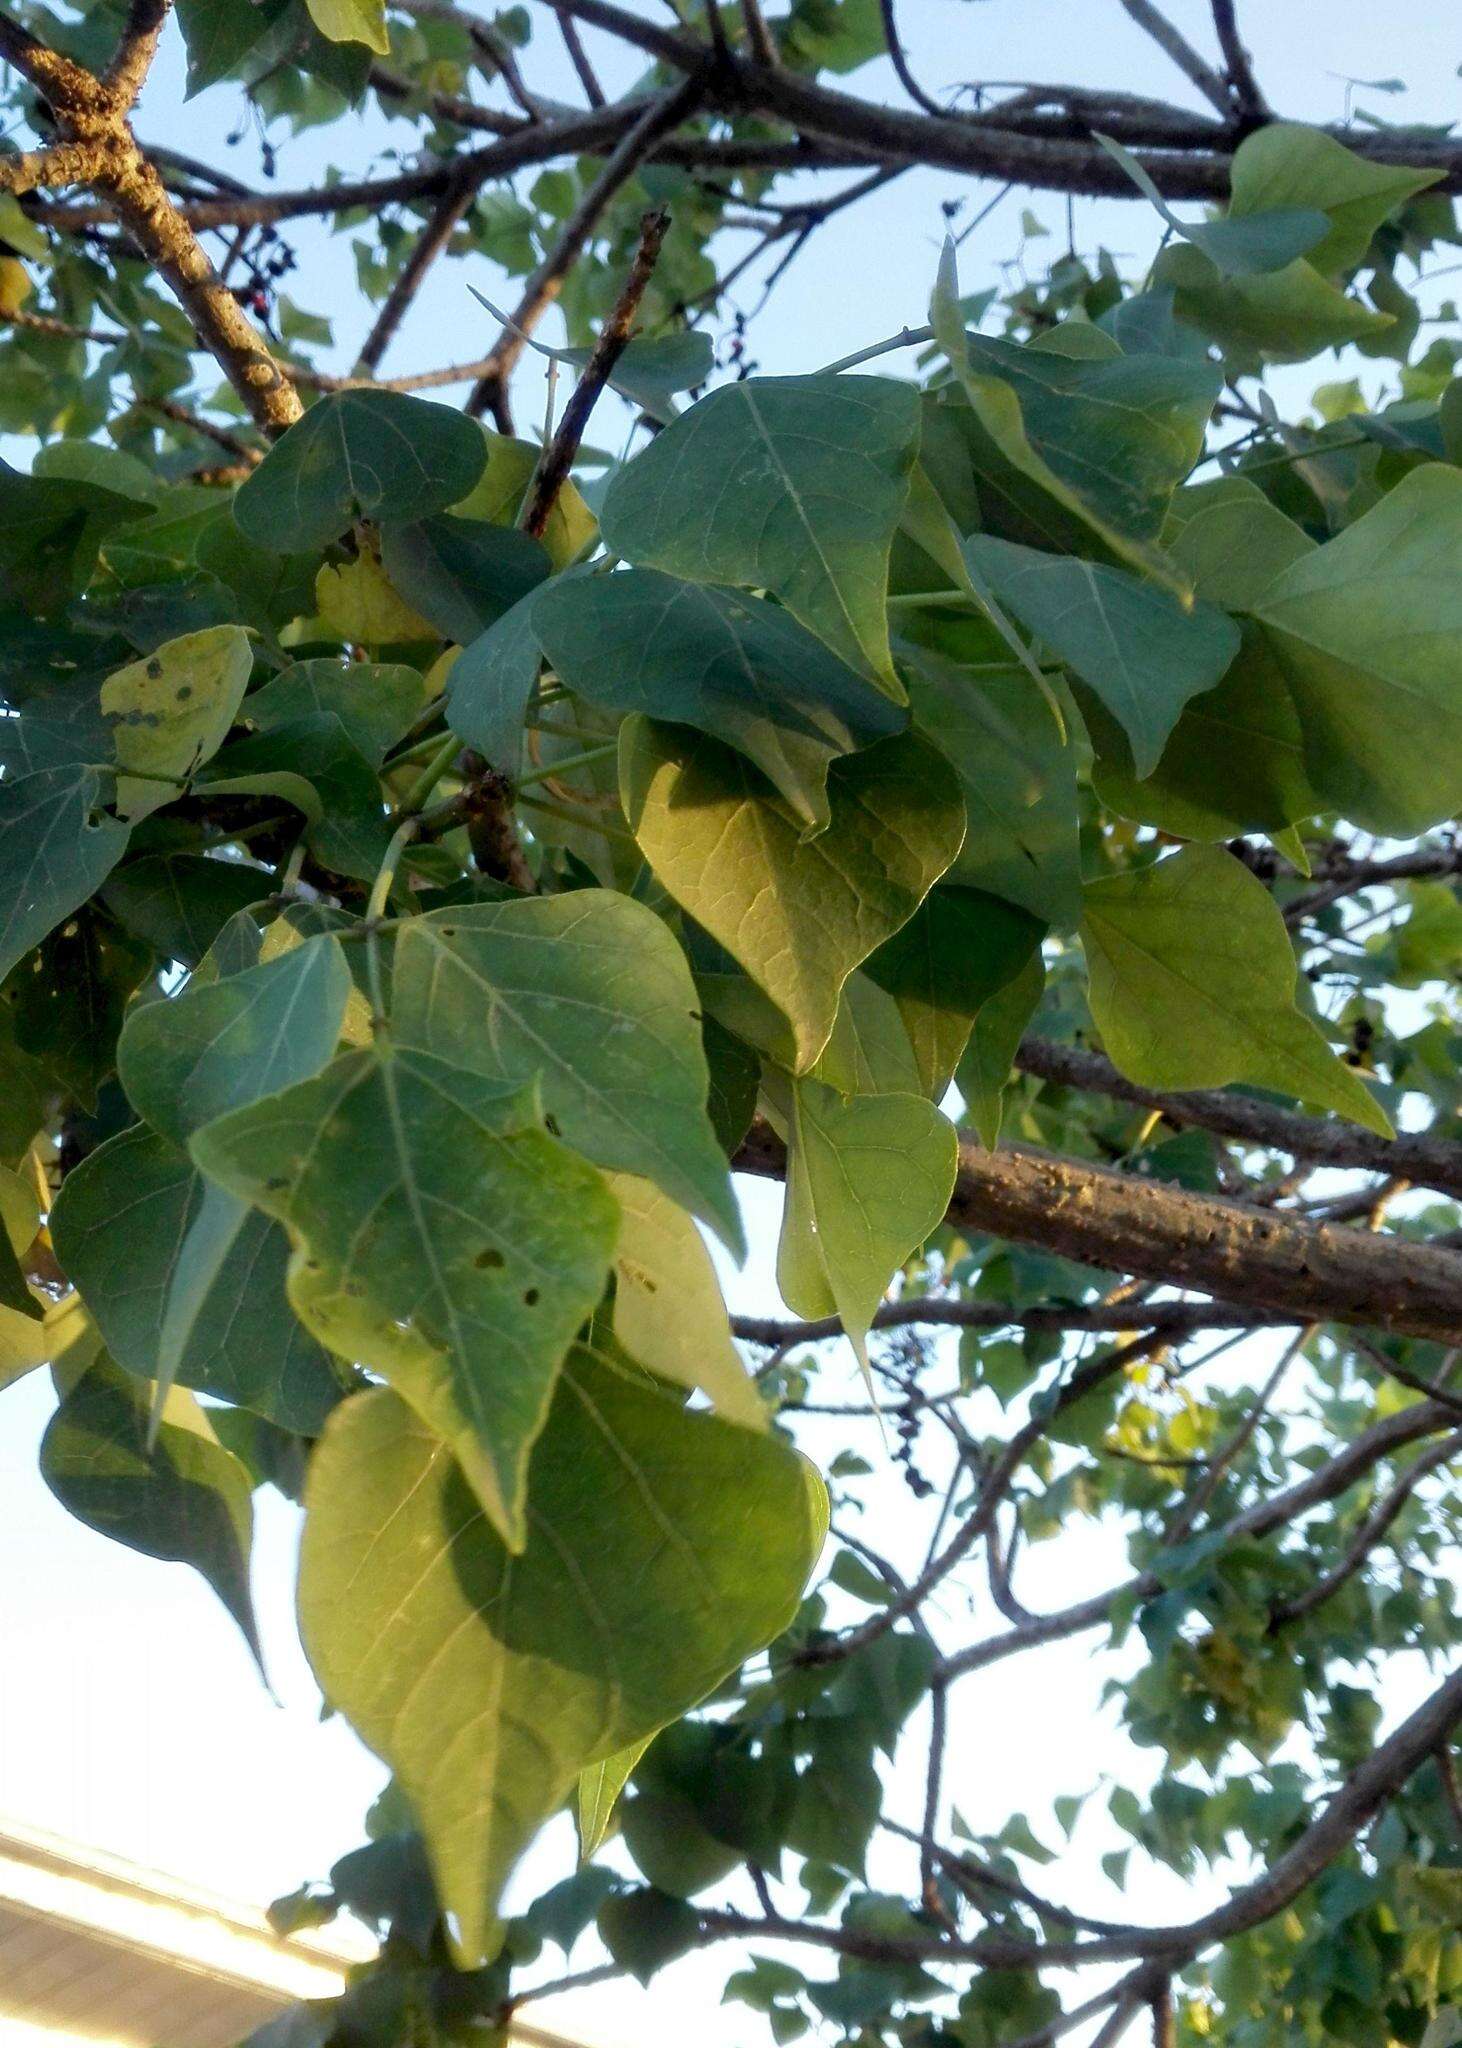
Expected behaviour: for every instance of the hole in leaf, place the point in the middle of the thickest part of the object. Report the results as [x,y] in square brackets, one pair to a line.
[530,1298]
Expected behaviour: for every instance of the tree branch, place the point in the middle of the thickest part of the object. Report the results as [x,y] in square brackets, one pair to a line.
[127,73]
[1371,1532]
[1206,1243]
[1423,1160]
[900,62]
[655,120]
[1242,82]
[92,113]
[1274,1512]
[613,339]
[430,244]
[1181,51]
[1357,1801]
[1169,1319]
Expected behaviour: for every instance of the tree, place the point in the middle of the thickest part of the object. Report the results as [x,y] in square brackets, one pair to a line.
[431,866]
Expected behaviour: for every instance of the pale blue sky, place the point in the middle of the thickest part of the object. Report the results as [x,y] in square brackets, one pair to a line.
[130,1715]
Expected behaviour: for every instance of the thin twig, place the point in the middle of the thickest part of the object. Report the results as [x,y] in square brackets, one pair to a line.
[659,118]
[1370,1533]
[1242,82]
[613,339]
[900,63]
[1182,53]
[758,36]
[578,57]
[430,244]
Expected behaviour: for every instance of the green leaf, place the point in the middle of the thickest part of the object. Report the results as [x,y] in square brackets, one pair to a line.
[375,702]
[51,529]
[178,903]
[440,1237]
[1283,164]
[1284,317]
[588,996]
[1235,761]
[735,667]
[869,1178]
[1142,652]
[358,455]
[313,764]
[645,1929]
[1367,632]
[127,1231]
[68,999]
[57,847]
[1076,446]
[1272,237]
[668,1310]
[958,950]
[984,1072]
[1231,541]
[352,21]
[183,1498]
[489,685]
[220,1045]
[219,34]
[598,1794]
[798,914]
[271,588]
[462,575]
[1018,777]
[794,485]
[664,1547]
[1192,985]
[172,712]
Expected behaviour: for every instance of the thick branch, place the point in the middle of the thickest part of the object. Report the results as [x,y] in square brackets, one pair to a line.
[136,191]
[127,72]
[1234,1251]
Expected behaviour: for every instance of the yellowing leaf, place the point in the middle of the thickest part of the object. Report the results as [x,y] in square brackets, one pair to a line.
[668,1310]
[352,21]
[360,603]
[172,711]
[798,914]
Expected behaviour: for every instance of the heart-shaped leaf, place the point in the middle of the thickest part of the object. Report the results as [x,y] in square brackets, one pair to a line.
[587,996]
[733,666]
[798,914]
[663,1548]
[810,479]
[358,455]
[440,1237]
[1192,985]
